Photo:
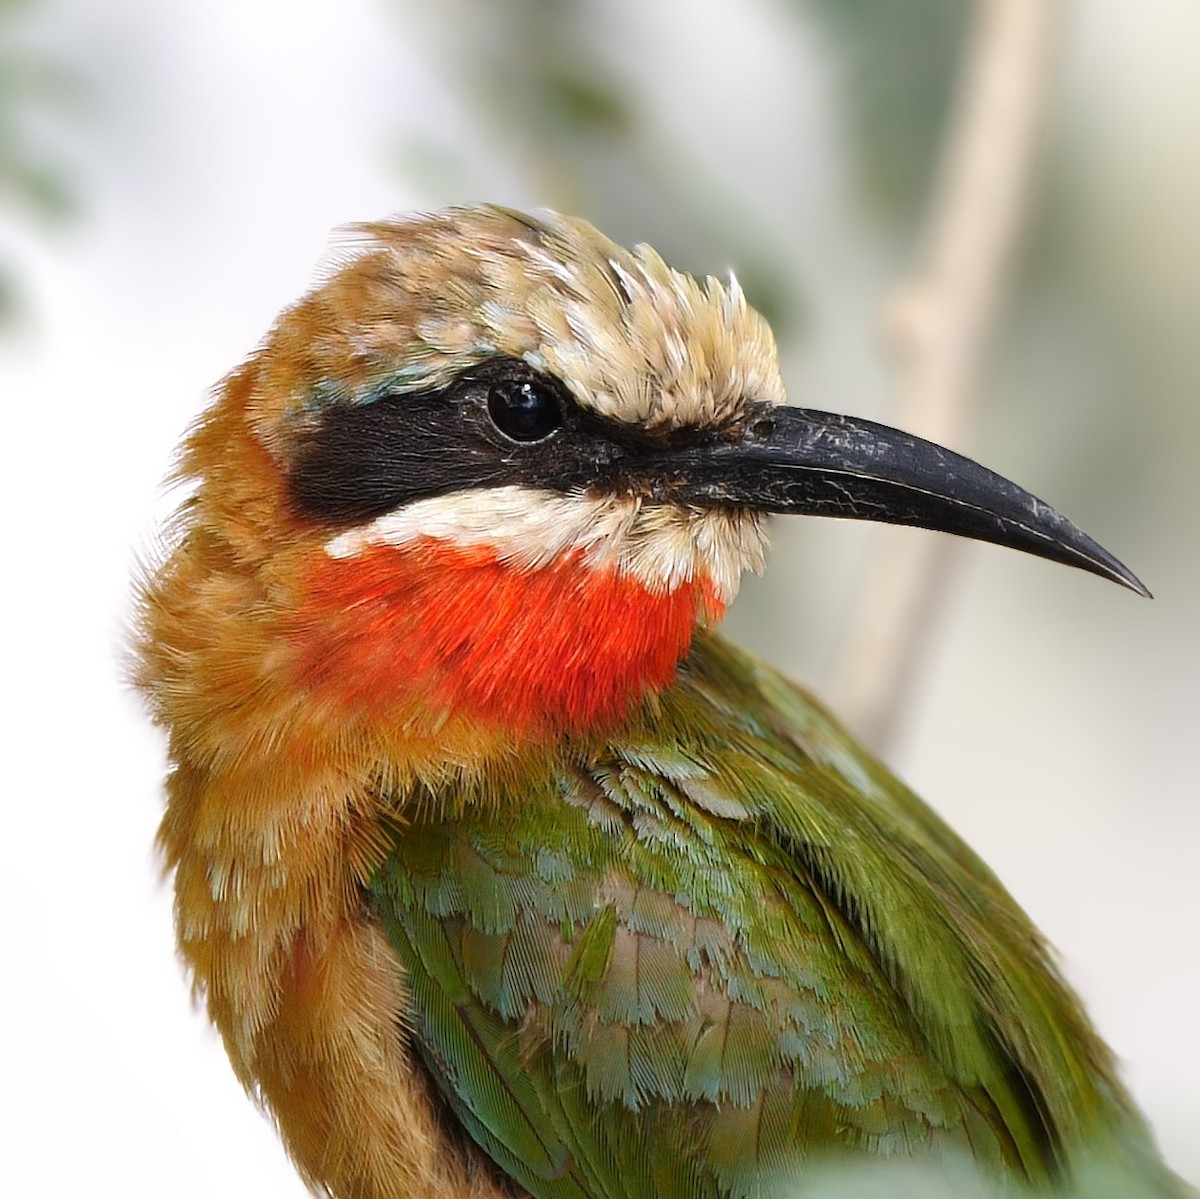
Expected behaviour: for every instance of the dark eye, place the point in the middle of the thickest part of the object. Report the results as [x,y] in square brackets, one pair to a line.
[523,409]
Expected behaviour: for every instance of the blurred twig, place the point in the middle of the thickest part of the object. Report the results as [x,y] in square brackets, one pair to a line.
[935,327]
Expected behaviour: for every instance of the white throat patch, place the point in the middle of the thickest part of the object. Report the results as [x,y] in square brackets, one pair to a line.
[662,545]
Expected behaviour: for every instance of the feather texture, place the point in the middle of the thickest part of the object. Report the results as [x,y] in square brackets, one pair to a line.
[695,957]
[486,878]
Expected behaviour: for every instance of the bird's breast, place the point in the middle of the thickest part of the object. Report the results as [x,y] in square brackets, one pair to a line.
[456,630]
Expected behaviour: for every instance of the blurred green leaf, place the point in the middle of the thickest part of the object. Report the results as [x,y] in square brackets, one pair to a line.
[586,106]
[42,188]
[31,86]
[9,298]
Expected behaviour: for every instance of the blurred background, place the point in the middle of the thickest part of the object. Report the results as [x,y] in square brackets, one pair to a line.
[169,175]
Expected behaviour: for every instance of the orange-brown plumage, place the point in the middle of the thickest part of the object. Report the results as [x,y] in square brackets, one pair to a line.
[273,822]
[291,689]
[381,632]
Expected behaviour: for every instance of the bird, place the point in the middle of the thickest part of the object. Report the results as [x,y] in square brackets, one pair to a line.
[499,871]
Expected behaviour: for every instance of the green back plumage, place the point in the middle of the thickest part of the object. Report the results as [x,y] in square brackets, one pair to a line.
[692,959]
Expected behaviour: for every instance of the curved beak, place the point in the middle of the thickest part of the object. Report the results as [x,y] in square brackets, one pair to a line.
[803,462]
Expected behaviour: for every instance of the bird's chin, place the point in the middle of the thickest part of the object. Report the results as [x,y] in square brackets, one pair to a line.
[663,546]
[669,545]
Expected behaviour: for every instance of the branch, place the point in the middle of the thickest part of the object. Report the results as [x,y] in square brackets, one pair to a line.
[935,328]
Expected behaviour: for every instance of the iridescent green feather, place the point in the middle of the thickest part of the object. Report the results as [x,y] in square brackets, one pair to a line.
[726,946]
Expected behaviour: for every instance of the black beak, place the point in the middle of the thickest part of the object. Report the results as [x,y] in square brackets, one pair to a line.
[795,460]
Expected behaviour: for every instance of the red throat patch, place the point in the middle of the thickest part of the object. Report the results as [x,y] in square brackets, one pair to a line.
[567,647]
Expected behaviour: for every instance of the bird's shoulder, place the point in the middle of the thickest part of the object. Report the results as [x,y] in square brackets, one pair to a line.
[731,931]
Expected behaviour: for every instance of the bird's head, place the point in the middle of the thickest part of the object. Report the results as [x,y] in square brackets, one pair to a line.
[496,469]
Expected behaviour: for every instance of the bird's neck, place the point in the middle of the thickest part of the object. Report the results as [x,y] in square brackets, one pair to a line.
[565,648]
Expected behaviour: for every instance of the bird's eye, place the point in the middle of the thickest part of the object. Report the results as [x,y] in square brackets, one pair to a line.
[523,409]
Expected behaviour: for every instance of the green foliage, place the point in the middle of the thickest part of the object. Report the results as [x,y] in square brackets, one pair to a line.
[30,86]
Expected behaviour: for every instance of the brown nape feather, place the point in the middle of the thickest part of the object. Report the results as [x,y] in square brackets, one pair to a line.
[274,817]
[273,826]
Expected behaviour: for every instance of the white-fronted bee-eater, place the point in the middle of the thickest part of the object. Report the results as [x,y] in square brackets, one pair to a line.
[498,870]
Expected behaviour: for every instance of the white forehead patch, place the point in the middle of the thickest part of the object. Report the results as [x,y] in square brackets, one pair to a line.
[663,545]
[631,338]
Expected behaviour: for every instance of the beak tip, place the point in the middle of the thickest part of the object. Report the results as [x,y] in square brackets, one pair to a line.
[1136,584]
[1118,572]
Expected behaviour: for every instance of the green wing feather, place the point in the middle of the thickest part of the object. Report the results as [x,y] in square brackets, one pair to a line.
[700,957]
